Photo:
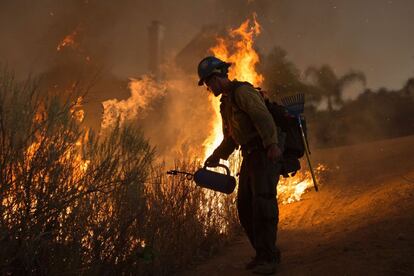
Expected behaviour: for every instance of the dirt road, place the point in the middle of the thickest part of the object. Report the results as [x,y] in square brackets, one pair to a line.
[360,223]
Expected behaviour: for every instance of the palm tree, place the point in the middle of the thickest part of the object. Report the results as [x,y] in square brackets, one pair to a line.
[329,85]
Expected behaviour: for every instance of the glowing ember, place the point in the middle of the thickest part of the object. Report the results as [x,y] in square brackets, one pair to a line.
[68,41]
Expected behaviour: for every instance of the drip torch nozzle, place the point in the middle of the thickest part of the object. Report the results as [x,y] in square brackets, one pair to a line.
[172,172]
[188,175]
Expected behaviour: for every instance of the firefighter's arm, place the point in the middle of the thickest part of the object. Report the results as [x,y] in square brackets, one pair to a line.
[226,148]
[223,151]
[251,102]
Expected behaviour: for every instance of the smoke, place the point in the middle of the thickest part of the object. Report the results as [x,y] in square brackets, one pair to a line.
[173,114]
[183,119]
[352,34]
[232,12]
[79,39]
[111,38]
[113,34]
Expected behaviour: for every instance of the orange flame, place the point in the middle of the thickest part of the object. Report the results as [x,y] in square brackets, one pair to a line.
[239,51]
[73,153]
[291,189]
[243,56]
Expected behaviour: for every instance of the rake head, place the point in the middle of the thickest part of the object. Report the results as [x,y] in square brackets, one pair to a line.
[295,104]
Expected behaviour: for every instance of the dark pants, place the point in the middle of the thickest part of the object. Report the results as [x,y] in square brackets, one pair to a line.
[257,203]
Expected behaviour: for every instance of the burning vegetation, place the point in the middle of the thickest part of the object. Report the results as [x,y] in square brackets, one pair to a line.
[72,199]
[146,93]
[75,200]
[238,49]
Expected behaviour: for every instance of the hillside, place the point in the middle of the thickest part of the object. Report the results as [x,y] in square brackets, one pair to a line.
[360,222]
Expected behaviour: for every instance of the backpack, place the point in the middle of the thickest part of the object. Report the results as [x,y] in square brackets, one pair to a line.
[289,133]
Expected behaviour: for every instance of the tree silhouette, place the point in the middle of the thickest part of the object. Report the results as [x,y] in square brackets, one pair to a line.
[408,89]
[282,77]
[328,85]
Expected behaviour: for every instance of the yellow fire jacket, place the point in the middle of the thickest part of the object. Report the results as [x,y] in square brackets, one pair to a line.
[245,117]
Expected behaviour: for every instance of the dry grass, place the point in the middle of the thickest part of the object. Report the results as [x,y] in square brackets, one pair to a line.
[72,202]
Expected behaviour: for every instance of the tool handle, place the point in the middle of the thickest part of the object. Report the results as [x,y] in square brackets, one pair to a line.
[315,185]
[221,166]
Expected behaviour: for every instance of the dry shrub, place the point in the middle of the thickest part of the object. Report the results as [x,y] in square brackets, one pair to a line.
[72,202]
[191,222]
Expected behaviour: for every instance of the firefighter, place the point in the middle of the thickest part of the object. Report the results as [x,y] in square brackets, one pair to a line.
[248,123]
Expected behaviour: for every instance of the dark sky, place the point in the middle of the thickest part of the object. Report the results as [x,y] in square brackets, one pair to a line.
[374,36]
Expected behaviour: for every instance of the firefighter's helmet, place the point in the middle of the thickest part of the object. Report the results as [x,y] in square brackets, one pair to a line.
[211,65]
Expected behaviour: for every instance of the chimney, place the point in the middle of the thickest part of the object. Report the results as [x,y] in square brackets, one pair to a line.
[156,51]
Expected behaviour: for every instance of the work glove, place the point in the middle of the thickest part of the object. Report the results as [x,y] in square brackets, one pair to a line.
[212,161]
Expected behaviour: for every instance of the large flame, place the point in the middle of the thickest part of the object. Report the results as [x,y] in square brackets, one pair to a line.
[143,92]
[238,49]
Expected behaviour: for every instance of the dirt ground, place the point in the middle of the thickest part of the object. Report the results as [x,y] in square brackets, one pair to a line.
[361,222]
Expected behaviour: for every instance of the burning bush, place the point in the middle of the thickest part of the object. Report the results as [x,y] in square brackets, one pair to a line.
[75,202]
